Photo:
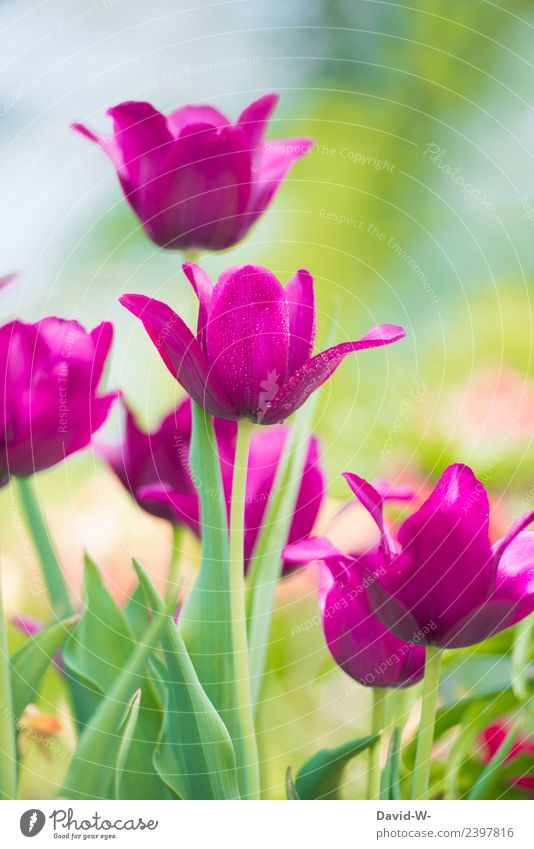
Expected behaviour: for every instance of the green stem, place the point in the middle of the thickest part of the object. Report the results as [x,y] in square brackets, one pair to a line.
[42,541]
[425,736]
[377,725]
[239,615]
[174,563]
[8,750]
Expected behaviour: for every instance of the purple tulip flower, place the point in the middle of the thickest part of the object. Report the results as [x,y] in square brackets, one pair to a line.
[359,643]
[442,583]
[252,356]
[154,467]
[50,406]
[195,180]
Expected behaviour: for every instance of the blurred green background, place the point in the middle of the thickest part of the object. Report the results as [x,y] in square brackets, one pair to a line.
[416,207]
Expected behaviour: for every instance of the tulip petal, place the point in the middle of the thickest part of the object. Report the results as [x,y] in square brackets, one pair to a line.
[373,502]
[271,165]
[102,337]
[266,450]
[254,119]
[523,522]
[318,369]
[447,542]
[318,549]
[203,189]
[183,505]
[203,289]
[143,137]
[247,337]
[302,320]
[181,353]
[183,117]
[510,601]
[359,643]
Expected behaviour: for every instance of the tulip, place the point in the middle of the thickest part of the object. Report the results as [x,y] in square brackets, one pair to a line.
[50,374]
[154,467]
[195,180]
[443,583]
[252,355]
[356,639]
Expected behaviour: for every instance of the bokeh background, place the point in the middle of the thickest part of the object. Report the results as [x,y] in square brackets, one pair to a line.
[416,207]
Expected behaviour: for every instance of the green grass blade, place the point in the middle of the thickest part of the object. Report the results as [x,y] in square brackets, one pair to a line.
[8,748]
[30,662]
[195,756]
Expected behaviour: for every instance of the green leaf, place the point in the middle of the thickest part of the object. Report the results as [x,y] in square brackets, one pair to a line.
[100,648]
[320,777]
[30,662]
[266,565]
[94,762]
[135,611]
[291,791]
[390,780]
[8,749]
[130,721]
[522,652]
[53,575]
[489,776]
[195,756]
[206,618]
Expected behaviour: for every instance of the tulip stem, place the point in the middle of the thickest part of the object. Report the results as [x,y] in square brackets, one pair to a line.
[248,761]
[37,527]
[174,562]
[377,725]
[425,736]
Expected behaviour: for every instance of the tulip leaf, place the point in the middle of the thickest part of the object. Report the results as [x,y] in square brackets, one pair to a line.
[8,749]
[206,618]
[195,756]
[265,567]
[487,779]
[390,779]
[129,723]
[100,648]
[136,612]
[94,762]
[320,777]
[30,662]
